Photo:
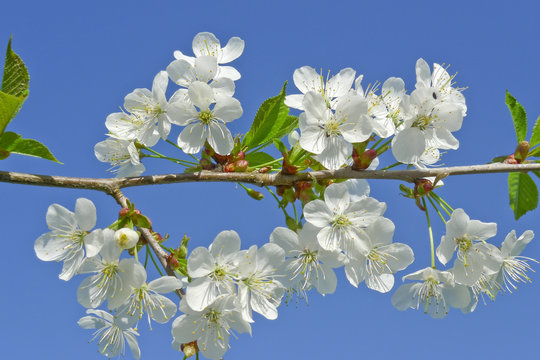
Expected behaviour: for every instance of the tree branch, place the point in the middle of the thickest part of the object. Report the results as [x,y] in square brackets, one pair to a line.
[110,186]
[121,199]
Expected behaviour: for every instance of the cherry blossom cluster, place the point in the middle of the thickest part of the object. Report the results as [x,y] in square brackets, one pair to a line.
[336,116]
[203,105]
[340,224]
[479,269]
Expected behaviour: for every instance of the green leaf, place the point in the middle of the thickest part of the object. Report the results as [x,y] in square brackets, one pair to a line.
[9,107]
[522,192]
[498,159]
[13,143]
[16,79]
[280,146]
[14,87]
[271,121]
[258,158]
[534,152]
[535,137]
[537,173]
[518,116]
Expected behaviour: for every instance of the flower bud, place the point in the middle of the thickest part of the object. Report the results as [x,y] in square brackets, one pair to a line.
[510,160]
[363,161]
[264,169]
[240,165]
[123,212]
[255,194]
[288,169]
[229,167]
[522,150]
[126,238]
[422,186]
[241,155]
[173,262]
[190,349]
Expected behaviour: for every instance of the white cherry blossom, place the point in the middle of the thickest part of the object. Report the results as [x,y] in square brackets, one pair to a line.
[341,222]
[307,79]
[122,155]
[514,266]
[70,238]
[113,278]
[329,134]
[258,287]
[384,258]
[146,298]
[214,271]
[132,127]
[204,124]
[207,44]
[210,327]
[434,294]
[111,334]
[307,264]
[467,238]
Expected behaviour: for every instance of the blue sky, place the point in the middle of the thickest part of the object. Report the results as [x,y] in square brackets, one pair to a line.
[84,57]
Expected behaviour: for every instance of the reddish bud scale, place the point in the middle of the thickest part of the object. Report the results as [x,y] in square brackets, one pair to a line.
[123,212]
[206,164]
[172,261]
[422,187]
[265,169]
[289,169]
[229,167]
[363,161]
[510,160]
[280,189]
[241,155]
[240,165]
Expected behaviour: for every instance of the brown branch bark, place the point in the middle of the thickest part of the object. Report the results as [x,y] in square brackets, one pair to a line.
[110,186]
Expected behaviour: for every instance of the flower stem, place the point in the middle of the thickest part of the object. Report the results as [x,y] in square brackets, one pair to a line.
[383,147]
[430,234]
[154,261]
[441,201]
[391,166]
[269,163]
[436,209]
[179,161]
[146,257]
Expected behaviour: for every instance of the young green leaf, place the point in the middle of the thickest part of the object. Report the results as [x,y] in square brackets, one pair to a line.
[14,87]
[256,159]
[271,120]
[534,152]
[16,79]
[535,137]
[280,146]
[518,116]
[13,143]
[522,192]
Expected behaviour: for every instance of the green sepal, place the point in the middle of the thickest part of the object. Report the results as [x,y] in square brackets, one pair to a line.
[406,192]
[142,221]
[272,121]
[519,116]
[119,224]
[535,137]
[523,194]
[13,143]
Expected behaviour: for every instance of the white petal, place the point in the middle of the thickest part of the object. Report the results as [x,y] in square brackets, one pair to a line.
[423,74]
[85,214]
[318,213]
[408,145]
[220,138]
[225,244]
[165,284]
[227,109]
[341,83]
[336,197]
[192,138]
[233,49]
[336,153]
[206,44]
[200,262]
[306,79]
[201,95]
[382,283]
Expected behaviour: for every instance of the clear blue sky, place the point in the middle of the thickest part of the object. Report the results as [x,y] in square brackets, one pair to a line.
[84,57]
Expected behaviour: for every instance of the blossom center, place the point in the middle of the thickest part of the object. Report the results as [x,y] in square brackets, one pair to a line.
[206,116]
[332,128]
[341,221]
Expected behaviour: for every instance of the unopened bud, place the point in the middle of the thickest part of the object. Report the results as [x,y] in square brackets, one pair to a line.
[240,165]
[190,349]
[173,262]
[422,186]
[363,161]
[158,237]
[265,169]
[255,194]
[510,160]
[123,212]
[229,167]
[183,250]
[126,238]
[289,169]
[522,150]
[241,155]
